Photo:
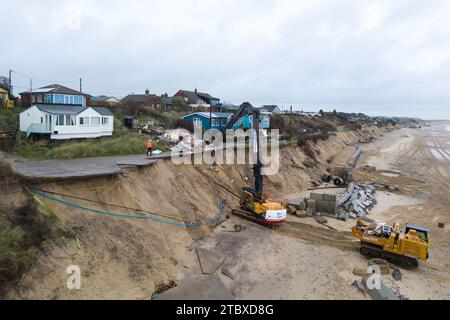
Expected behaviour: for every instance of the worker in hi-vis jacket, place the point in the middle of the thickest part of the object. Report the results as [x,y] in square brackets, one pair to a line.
[149,147]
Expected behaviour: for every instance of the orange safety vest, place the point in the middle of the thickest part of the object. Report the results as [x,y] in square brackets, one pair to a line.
[149,144]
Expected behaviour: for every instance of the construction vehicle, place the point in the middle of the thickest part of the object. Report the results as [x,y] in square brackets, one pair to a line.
[400,248]
[254,206]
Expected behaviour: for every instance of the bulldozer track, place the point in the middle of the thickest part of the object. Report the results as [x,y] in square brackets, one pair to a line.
[373,251]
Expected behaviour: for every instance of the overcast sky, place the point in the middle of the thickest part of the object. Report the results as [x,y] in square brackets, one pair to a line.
[378,57]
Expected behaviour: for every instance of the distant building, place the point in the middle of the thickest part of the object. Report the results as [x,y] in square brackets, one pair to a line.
[105,100]
[5,101]
[143,100]
[308,113]
[55,94]
[196,99]
[66,121]
[158,103]
[272,108]
[219,120]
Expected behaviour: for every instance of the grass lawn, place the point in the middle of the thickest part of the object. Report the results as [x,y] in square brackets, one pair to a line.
[123,142]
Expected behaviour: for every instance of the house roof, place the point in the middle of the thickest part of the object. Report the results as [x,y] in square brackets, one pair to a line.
[56,88]
[195,96]
[205,95]
[213,114]
[138,98]
[60,109]
[167,100]
[191,95]
[103,98]
[103,111]
[269,108]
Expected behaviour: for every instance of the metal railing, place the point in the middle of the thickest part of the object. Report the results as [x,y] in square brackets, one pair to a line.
[38,128]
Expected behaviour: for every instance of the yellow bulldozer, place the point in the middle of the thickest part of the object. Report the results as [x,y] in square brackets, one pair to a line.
[400,248]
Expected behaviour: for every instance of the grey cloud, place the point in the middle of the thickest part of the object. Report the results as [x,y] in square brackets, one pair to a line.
[379,57]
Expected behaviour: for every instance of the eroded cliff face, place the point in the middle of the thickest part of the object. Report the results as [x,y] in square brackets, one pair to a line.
[122,258]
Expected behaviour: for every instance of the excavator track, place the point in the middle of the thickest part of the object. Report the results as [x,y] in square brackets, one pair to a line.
[250,217]
[373,251]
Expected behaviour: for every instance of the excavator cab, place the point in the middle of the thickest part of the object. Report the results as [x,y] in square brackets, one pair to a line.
[421,232]
[248,199]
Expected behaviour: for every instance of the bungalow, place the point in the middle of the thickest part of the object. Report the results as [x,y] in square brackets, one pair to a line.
[157,103]
[54,94]
[142,100]
[105,100]
[219,120]
[273,109]
[196,99]
[66,122]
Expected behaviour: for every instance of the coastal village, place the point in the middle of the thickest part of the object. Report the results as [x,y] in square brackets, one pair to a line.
[81,188]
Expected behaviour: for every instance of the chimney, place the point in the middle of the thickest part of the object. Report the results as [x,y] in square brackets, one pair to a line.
[195,90]
[147,92]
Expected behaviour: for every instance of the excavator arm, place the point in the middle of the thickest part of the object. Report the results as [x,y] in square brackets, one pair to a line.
[247,109]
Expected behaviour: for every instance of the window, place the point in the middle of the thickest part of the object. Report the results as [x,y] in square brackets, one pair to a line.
[224,121]
[48,98]
[40,99]
[60,120]
[216,122]
[66,99]
[84,120]
[105,120]
[70,120]
[95,120]
[71,99]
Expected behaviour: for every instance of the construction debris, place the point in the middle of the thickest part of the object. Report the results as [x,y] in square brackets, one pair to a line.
[359,272]
[356,201]
[291,209]
[380,292]
[354,159]
[209,260]
[226,272]
[238,227]
[381,263]
[368,168]
[297,203]
[359,286]
[301,213]
[320,219]
[324,202]
[396,274]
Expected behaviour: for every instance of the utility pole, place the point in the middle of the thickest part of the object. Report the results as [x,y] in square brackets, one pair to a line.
[9,84]
[31,92]
[290,125]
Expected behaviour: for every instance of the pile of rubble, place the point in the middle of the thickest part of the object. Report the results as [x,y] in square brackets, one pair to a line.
[356,201]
